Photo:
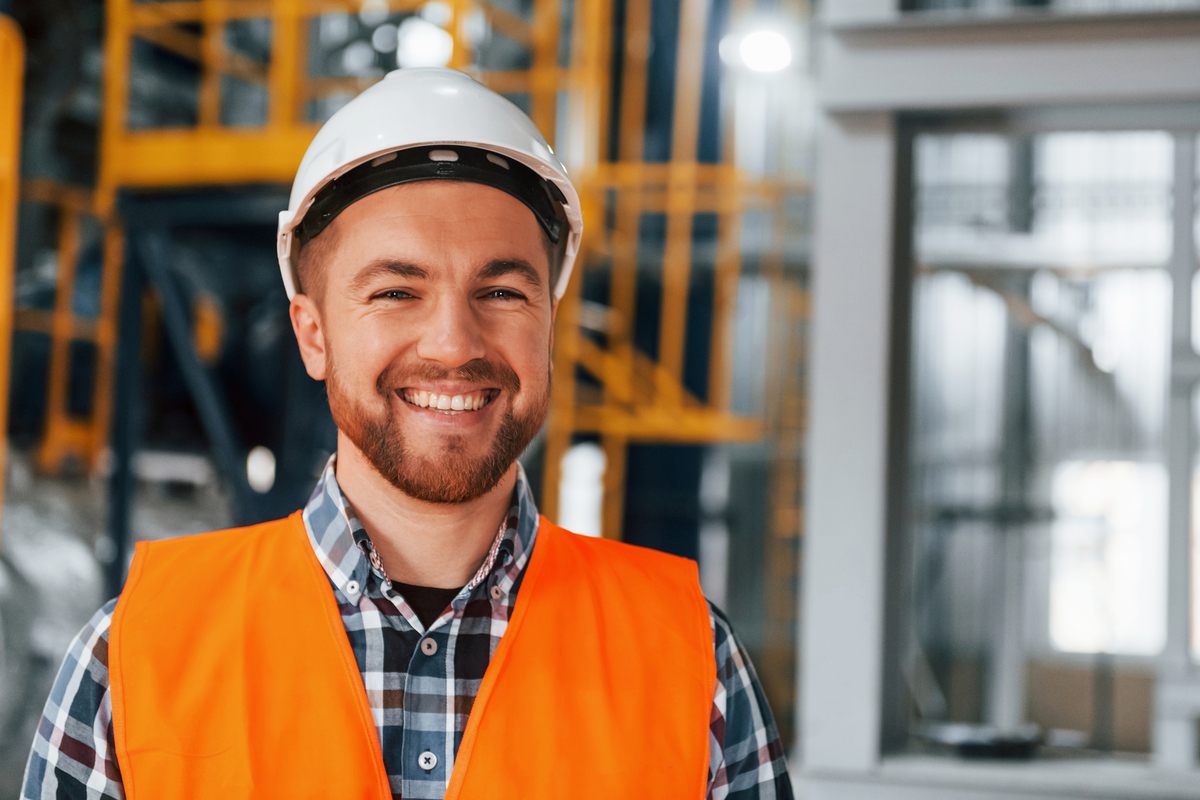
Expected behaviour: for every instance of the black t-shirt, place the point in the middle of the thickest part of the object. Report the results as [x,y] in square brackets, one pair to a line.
[427,602]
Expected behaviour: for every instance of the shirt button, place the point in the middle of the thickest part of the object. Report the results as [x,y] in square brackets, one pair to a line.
[352,587]
[427,761]
[496,592]
[429,647]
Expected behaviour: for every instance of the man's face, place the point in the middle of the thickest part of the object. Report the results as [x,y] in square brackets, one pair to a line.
[433,334]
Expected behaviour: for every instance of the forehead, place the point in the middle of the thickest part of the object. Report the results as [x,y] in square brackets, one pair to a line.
[443,216]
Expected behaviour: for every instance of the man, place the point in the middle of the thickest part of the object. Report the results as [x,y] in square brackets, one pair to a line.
[416,630]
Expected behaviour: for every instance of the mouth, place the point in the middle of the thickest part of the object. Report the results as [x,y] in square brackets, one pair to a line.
[450,404]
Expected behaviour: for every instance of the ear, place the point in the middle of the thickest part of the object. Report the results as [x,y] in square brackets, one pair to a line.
[553,324]
[310,335]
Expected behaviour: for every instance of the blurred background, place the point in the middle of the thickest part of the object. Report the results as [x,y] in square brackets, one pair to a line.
[884,316]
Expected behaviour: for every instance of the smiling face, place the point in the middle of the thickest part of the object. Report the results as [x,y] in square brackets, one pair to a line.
[432,332]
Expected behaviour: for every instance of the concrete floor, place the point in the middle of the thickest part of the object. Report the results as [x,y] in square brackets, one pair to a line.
[51,580]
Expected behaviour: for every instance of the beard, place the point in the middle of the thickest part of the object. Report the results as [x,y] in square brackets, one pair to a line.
[451,474]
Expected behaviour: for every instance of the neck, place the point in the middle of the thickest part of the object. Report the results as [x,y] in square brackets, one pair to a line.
[426,544]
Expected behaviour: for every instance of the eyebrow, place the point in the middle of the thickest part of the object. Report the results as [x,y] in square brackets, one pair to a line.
[510,266]
[497,268]
[400,269]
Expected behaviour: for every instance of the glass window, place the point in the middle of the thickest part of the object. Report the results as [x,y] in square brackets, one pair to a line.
[1036,491]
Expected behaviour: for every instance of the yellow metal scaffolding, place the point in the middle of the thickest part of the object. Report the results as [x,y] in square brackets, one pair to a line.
[644,400]
[12,77]
[640,399]
[65,435]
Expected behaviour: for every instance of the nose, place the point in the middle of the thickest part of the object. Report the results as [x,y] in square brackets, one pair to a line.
[451,334]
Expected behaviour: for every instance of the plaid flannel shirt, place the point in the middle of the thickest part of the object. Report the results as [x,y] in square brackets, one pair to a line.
[420,704]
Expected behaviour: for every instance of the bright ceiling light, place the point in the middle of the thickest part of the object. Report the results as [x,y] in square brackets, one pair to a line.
[765,51]
[760,50]
[420,43]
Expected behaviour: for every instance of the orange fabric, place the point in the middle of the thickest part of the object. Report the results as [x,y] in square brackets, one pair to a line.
[590,694]
[213,698]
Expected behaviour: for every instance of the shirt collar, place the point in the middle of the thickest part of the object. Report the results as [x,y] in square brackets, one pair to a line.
[333,527]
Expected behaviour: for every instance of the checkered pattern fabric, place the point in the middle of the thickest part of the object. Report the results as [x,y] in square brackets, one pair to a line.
[420,682]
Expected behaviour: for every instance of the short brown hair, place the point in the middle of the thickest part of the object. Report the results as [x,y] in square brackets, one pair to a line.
[310,264]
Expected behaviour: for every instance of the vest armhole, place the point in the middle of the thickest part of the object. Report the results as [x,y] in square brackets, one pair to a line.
[116,663]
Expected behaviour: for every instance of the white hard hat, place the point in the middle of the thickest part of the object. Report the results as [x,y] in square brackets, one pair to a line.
[421,124]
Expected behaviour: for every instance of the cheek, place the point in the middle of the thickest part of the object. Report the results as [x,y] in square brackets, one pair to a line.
[371,343]
[362,352]
[535,363]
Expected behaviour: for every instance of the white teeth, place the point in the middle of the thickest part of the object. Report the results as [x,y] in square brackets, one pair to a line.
[445,402]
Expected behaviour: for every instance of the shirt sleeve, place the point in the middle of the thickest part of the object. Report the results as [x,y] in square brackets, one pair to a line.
[746,757]
[73,755]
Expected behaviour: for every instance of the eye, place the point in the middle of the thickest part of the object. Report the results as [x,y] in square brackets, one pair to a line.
[392,294]
[503,294]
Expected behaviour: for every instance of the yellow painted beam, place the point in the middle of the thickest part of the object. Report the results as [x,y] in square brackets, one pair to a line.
[211,52]
[461,56]
[681,211]
[672,426]
[39,320]
[148,14]
[77,199]
[62,322]
[287,70]
[544,72]
[12,83]
[65,437]
[616,457]
[118,45]
[188,157]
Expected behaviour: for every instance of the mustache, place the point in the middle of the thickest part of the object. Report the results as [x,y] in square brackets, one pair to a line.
[477,370]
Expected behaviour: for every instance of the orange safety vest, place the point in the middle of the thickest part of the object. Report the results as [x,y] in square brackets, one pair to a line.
[231,676]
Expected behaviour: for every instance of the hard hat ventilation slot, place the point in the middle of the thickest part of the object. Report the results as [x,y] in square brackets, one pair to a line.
[470,164]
